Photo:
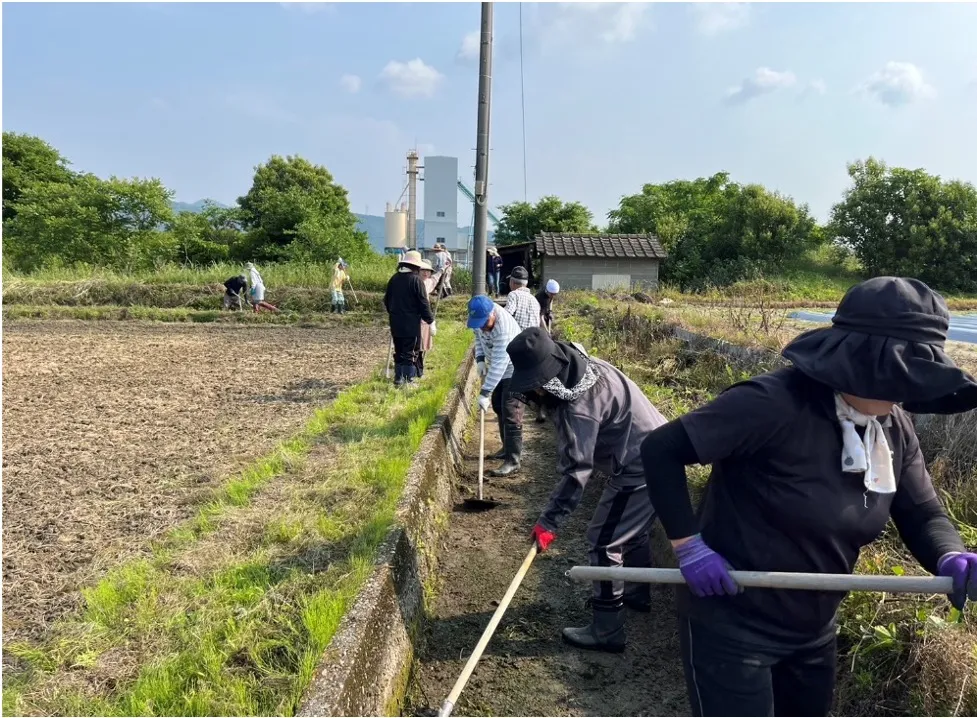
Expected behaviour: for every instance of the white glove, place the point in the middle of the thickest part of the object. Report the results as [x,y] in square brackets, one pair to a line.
[434,328]
[482,369]
[484,402]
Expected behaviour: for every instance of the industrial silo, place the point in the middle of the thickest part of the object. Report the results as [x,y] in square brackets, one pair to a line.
[395,228]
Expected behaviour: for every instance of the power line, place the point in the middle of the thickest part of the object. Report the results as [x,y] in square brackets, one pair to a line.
[522,89]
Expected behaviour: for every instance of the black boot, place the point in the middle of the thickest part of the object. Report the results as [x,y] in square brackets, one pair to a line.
[637,597]
[512,447]
[605,632]
[497,456]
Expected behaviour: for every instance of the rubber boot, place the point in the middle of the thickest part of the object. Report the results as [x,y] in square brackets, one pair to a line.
[398,375]
[497,456]
[637,597]
[605,632]
[512,446]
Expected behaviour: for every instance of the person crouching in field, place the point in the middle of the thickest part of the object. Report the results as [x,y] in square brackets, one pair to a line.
[339,278]
[809,463]
[258,291]
[406,303]
[601,417]
[234,292]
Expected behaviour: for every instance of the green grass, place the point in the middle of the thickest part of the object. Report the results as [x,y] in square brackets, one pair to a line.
[368,275]
[233,610]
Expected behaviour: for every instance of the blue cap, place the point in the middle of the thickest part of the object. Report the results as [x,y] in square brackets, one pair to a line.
[479,310]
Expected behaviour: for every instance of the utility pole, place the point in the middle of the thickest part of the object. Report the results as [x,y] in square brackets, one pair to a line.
[482,151]
[412,199]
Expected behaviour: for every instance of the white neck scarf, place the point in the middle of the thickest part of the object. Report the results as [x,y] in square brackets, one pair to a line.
[871,454]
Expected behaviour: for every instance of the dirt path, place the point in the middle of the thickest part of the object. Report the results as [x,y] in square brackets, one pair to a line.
[527,669]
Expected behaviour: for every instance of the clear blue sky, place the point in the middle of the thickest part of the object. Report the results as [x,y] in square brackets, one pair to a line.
[617,95]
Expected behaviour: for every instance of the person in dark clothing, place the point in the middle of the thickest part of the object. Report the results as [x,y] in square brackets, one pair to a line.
[406,303]
[545,299]
[808,464]
[234,292]
[494,267]
[601,417]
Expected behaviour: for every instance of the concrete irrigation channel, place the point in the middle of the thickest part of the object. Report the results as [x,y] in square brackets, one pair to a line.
[527,669]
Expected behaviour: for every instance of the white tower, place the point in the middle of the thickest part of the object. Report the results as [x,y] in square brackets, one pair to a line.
[441,204]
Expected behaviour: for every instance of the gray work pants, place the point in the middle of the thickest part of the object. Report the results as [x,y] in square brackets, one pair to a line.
[619,534]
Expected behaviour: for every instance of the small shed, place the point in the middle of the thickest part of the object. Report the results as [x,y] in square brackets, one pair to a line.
[600,261]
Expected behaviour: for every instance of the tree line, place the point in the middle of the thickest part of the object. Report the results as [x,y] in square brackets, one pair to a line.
[54,216]
[893,221]
[716,231]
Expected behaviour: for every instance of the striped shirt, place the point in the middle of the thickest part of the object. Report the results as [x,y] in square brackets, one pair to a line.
[491,346]
[523,307]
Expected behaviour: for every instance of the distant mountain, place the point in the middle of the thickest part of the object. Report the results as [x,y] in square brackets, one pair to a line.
[195,207]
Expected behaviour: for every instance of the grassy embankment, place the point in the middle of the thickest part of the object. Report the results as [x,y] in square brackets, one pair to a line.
[230,612]
[900,655]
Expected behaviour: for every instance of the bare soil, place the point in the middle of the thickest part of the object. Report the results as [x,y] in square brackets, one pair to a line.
[113,433]
[527,669]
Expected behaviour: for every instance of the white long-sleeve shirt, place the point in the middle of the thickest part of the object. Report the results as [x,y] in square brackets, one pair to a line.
[491,347]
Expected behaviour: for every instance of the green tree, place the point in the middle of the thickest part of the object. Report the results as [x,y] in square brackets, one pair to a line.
[522,221]
[112,222]
[291,201]
[28,160]
[212,235]
[716,231]
[909,223]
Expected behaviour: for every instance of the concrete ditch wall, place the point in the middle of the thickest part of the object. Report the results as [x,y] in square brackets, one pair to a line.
[364,671]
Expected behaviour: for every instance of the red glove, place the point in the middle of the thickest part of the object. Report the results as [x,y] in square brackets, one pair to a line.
[543,537]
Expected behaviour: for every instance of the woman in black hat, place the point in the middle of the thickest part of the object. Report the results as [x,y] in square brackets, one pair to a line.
[808,464]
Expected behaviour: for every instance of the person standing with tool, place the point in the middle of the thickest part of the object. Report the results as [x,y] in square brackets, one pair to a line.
[808,465]
[427,330]
[494,329]
[545,298]
[406,303]
[601,417]
[442,265]
[520,303]
[339,278]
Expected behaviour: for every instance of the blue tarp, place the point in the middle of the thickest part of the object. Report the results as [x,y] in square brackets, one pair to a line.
[963,327]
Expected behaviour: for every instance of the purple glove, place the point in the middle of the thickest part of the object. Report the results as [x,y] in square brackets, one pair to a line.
[962,568]
[706,572]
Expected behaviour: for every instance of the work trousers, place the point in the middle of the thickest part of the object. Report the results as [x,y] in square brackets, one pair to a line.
[406,350]
[619,534]
[741,676]
[508,410]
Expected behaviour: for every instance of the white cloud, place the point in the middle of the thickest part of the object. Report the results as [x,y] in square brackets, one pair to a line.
[351,83]
[471,46]
[764,81]
[577,24]
[817,87]
[897,84]
[308,8]
[413,78]
[715,18]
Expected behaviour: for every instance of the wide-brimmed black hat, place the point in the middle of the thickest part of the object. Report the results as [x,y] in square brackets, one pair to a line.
[887,343]
[536,359]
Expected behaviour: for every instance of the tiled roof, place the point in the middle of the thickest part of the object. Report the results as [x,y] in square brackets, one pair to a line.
[623,246]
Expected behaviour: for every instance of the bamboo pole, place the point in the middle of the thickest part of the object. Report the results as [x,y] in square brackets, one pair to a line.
[473,659]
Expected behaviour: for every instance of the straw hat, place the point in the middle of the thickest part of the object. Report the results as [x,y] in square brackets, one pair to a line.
[426,265]
[412,258]
[492,250]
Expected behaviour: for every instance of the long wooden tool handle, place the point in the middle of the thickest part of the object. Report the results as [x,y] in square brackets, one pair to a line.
[473,659]
[770,579]
[390,354]
[481,451]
